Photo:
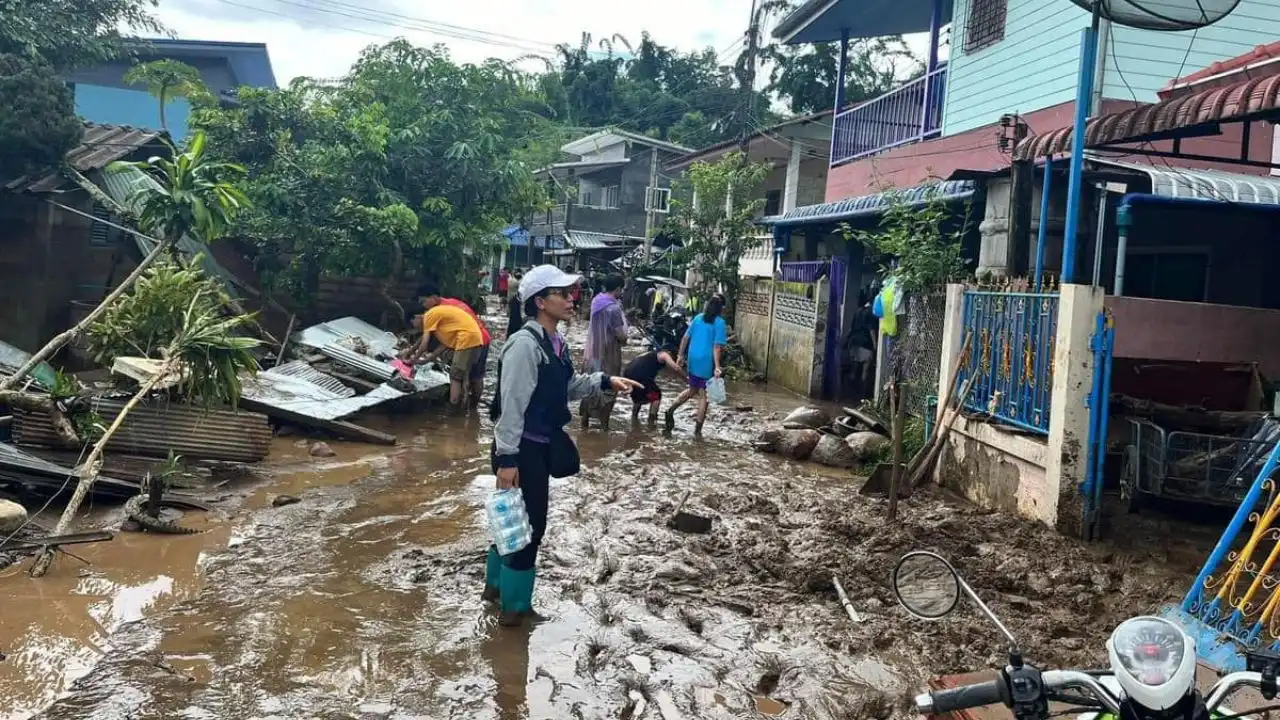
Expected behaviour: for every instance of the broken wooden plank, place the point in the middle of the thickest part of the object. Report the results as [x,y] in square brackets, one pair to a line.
[340,428]
[71,539]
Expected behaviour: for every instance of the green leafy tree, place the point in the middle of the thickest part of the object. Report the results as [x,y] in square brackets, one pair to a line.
[39,41]
[712,238]
[167,80]
[922,238]
[411,164]
[805,76]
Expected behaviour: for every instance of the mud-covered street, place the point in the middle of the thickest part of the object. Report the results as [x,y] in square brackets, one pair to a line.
[363,599]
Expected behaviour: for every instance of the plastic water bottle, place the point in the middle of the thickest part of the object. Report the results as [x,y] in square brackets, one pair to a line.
[509,527]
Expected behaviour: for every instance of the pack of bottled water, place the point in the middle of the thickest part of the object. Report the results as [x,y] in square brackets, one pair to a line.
[509,527]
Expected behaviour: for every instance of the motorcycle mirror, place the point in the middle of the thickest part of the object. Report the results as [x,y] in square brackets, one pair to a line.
[929,588]
[926,585]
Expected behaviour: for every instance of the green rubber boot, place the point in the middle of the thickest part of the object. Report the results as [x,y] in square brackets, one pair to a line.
[516,591]
[492,573]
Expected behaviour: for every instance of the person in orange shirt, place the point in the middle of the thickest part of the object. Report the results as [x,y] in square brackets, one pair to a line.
[455,327]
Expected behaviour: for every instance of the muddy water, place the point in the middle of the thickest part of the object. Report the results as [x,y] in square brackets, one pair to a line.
[362,600]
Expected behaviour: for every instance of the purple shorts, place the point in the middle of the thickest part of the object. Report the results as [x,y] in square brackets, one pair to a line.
[697,383]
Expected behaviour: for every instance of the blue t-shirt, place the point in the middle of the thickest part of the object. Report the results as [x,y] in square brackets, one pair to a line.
[703,337]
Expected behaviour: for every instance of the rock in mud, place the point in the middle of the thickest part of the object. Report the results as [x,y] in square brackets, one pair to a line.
[12,516]
[797,444]
[834,452]
[865,445]
[768,438]
[807,417]
[282,500]
[322,450]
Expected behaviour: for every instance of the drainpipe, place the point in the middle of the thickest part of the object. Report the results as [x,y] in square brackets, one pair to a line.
[1075,179]
[1124,221]
[1044,219]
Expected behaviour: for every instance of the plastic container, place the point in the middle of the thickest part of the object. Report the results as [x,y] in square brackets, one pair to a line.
[509,527]
[716,392]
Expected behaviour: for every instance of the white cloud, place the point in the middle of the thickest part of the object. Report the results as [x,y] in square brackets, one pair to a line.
[322,38]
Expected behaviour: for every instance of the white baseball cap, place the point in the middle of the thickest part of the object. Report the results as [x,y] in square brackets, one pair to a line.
[543,277]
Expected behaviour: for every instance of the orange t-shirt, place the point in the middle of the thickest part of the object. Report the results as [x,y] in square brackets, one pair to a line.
[454,327]
[484,331]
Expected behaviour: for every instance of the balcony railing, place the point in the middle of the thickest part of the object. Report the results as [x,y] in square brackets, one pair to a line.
[906,114]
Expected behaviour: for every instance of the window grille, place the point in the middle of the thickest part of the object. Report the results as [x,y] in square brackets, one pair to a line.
[986,24]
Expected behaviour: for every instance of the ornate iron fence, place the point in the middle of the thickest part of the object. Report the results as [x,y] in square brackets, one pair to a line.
[1011,355]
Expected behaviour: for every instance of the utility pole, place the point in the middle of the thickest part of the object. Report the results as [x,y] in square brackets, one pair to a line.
[749,76]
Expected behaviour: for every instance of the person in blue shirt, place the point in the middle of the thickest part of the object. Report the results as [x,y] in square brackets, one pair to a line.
[700,351]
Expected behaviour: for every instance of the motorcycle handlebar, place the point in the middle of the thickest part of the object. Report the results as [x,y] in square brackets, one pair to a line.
[960,698]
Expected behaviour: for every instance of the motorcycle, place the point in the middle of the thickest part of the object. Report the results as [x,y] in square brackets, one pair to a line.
[667,329]
[1152,674]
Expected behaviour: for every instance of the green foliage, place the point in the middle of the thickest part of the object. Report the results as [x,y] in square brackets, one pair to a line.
[169,79]
[64,387]
[178,311]
[412,163]
[805,75]
[191,193]
[923,239]
[38,125]
[38,42]
[712,239]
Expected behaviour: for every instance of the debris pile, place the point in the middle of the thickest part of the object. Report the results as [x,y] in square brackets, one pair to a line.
[853,439]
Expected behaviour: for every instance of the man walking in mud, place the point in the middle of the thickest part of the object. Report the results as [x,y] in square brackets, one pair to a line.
[455,327]
[606,334]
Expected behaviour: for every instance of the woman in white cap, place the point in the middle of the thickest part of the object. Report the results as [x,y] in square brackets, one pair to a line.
[536,383]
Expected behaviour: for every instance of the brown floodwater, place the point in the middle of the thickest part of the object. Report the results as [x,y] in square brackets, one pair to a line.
[362,600]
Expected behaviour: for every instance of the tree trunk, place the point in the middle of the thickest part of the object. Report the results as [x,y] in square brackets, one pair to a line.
[397,267]
[88,470]
[98,194]
[44,404]
[69,335]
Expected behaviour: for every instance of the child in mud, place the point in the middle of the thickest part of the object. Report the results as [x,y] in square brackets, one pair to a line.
[703,342]
[644,369]
[536,381]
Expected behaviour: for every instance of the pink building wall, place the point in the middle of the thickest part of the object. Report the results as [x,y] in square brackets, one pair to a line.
[1198,332]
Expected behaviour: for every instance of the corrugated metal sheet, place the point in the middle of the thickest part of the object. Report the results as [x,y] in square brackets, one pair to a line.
[153,429]
[326,333]
[580,240]
[299,396]
[948,190]
[20,466]
[1204,184]
[361,363]
[1256,98]
[302,371]
[100,146]
[12,358]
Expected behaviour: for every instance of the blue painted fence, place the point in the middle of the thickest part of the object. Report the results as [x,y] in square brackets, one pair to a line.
[1011,355]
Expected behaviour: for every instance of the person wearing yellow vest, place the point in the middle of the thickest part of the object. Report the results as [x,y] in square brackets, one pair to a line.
[454,329]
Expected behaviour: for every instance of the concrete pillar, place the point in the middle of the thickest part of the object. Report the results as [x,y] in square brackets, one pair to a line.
[791,184]
[1078,308]
[993,252]
[952,341]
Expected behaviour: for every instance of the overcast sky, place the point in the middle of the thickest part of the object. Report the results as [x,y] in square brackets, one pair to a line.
[322,38]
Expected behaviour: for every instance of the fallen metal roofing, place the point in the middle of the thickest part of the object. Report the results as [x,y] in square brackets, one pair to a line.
[947,190]
[1204,184]
[156,427]
[47,478]
[1254,99]
[100,146]
[298,388]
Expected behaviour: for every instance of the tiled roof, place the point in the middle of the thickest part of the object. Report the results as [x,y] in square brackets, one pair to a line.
[872,204]
[1245,100]
[100,146]
[1259,54]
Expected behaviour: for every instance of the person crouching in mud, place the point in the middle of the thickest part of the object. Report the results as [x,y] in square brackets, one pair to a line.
[644,369]
[536,382]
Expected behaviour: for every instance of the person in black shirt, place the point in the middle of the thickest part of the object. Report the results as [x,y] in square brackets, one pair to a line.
[645,369]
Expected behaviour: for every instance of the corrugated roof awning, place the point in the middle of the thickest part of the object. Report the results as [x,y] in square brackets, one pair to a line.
[1204,184]
[1248,100]
[100,146]
[849,208]
[582,240]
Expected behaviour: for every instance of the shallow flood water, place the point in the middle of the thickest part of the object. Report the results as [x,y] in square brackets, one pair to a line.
[363,600]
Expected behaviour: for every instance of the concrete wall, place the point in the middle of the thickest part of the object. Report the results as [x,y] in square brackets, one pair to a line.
[1199,332]
[751,320]
[1038,477]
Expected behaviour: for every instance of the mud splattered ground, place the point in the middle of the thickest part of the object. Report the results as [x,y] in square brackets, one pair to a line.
[362,600]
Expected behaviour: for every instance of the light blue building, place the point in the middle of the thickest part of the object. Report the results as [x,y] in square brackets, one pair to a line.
[103,96]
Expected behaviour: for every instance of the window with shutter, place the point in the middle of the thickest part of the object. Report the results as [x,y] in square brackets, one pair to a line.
[100,233]
[985,26]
